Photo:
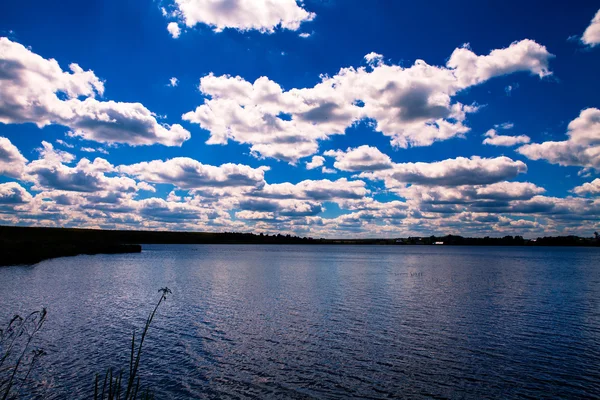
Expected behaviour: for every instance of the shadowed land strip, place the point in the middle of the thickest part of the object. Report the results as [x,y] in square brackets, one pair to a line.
[34,251]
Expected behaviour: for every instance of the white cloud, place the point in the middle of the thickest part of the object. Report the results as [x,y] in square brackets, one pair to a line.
[12,162]
[525,55]
[83,195]
[146,186]
[447,204]
[504,125]
[591,36]
[305,35]
[326,170]
[451,172]
[413,106]
[130,123]
[49,153]
[50,173]
[319,190]
[249,113]
[317,161]
[473,195]
[569,208]
[280,207]
[168,211]
[32,80]
[261,15]
[12,193]
[255,215]
[362,158]
[373,58]
[582,148]
[65,144]
[39,91]
[592,188]
[492,138]
[509,191]
[187,173]
[173,82]
[174,29]
[173,196]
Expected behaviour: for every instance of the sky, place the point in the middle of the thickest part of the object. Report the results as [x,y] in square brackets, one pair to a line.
[318,118]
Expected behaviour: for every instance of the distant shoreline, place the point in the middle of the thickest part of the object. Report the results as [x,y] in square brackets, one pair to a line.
[30,245]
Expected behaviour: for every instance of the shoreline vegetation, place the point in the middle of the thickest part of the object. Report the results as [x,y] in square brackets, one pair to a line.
[18,357]
[30,245]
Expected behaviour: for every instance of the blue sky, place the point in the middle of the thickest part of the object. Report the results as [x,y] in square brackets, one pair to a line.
[316,118]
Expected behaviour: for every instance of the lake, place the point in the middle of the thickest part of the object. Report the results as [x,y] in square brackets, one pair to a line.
[253,321]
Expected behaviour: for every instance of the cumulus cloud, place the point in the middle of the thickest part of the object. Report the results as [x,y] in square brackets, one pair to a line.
[50,173]
[591,36]
[373,58]
[173,82]
[167,211]
[12,162]
[255,215]
[187,173]
[317,161]
[174,29]
[509,191]
[478,195]
[582,148]
[362,158]
[525,55]
[413,106]
[37,90]
[12,193]
[569,208]
[320,190]
[146,186]
[83,194]
[592,188]
[280,207]
[244,15]
[450,172]
[130,123]
[494,139]
[173,196]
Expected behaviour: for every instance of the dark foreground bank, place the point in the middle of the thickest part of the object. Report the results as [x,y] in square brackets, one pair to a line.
[34,251]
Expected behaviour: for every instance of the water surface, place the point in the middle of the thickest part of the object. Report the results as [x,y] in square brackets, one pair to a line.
[322,321]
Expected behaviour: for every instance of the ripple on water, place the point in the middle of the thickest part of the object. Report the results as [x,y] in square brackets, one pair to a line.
[322,321]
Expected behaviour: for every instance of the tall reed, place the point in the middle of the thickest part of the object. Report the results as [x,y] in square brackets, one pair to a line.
[113,387]
[17,358]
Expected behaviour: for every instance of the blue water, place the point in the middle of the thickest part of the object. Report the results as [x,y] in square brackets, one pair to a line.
[321,321]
